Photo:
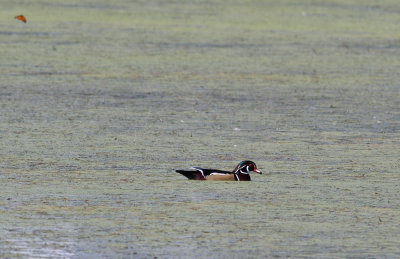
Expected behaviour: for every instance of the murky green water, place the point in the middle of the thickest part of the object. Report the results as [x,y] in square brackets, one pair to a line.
[101,101]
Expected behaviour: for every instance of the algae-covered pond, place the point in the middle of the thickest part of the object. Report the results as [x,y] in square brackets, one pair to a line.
[102,100]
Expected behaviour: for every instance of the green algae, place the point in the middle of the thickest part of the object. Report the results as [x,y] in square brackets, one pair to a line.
[100,102]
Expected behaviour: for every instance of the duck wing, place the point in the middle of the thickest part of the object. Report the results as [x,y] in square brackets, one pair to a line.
[208,172]
[198,173]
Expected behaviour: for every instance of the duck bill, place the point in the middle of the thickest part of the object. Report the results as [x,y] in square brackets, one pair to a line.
[257,171]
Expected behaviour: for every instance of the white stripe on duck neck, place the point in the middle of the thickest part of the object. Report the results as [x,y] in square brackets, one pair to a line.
[240,169]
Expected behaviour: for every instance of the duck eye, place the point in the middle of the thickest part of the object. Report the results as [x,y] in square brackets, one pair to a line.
[251,167]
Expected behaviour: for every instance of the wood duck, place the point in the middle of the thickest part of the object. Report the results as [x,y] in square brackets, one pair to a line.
[240,173]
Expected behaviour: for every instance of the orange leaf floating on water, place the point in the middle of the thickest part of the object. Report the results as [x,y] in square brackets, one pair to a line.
[21,17]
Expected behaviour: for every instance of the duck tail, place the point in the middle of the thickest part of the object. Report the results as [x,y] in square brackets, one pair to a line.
[191,175]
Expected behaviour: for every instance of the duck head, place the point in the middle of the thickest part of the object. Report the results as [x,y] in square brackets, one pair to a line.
[245,167]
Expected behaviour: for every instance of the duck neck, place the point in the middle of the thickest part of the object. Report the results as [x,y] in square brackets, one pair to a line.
[242,176]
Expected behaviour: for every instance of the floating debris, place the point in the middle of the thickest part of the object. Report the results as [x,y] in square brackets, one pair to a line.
[21,18]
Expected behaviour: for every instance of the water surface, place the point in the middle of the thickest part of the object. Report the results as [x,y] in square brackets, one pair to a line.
[100,102]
